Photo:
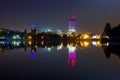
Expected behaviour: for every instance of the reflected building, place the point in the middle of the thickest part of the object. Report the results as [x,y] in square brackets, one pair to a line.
[71,55]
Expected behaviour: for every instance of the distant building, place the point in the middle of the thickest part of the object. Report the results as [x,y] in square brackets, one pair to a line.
[72,24]
[33,31]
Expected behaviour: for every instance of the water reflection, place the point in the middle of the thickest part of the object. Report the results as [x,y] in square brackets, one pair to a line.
[111,48]
[71,55]
[108,47]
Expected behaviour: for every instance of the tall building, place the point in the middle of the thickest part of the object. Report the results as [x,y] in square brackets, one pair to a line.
[71,24]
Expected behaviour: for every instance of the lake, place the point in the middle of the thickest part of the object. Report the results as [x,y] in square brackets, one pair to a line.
[83,60]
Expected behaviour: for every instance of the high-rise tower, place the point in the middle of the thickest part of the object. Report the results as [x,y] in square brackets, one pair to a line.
[71,24]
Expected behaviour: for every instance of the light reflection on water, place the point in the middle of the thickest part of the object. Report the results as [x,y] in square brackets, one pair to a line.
[75,60]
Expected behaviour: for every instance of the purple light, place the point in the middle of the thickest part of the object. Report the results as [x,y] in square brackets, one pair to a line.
[72,56]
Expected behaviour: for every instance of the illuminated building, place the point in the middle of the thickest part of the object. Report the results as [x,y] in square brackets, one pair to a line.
[85,36]
[71,24]
[72,55]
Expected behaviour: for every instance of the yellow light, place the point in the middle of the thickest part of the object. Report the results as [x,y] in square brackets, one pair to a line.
[97,36]
[68,35]
[29,37]
[76,34]
[29,42]
[85,36]
[84,43]
[96,43]
[61,35]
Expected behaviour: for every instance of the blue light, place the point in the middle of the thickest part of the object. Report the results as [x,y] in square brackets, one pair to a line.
[33,25]
[32,53]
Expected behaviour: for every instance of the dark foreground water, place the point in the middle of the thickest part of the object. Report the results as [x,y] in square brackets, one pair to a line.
[79,62]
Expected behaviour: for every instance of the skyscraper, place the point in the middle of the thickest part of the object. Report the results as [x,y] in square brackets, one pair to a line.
[71,24]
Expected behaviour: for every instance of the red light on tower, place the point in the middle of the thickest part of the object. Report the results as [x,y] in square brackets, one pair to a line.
[72,17]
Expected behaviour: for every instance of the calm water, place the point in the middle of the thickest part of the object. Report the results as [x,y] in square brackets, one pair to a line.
[83,61]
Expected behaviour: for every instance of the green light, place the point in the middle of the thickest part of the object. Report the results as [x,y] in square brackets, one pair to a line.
[14,37]
[14,43]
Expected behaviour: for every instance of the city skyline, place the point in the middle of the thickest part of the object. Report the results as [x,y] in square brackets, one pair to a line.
[91,15]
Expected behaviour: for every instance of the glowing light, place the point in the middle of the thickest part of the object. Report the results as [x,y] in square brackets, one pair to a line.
[42,42]
[96,37]
[49,30]
[49,49]
[85,36]
[60,47]
[105,37]
[29,37]
[61,35]
[32,53]
[14,42]
[85,43]
[72,55]
[71,49]
[29,42]
[14,37]
[96,43]
[18,43]
[107,44]
[71,30]
[71,24]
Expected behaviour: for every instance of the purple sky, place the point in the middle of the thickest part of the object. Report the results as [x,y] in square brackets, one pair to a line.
[92,15]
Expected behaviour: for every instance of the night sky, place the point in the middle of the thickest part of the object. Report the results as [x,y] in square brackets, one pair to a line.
[92,15]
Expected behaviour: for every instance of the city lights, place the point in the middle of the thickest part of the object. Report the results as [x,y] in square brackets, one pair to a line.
[85,43]
[97,36]
[85,36]
[29,42]
[29,37]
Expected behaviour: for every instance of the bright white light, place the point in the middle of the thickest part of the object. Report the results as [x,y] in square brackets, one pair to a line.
[49,30]
[49,49]
[71,49]
[93,43]
[94,37]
